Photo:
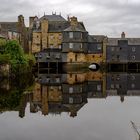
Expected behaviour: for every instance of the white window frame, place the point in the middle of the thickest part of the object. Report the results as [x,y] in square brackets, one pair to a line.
[71,45]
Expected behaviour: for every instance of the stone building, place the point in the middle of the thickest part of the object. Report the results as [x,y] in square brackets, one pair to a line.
[123,51]
[15,31]
[96,49]
[74,44]
[47,32]
[55,39]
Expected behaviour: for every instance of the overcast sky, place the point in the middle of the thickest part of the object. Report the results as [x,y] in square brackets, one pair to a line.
[108,17]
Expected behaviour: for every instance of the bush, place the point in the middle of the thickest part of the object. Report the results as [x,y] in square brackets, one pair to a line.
[14,55]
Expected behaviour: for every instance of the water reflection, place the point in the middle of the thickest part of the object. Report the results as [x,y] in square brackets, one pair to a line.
[58,93]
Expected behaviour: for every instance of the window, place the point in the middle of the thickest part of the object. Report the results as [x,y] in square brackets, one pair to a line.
[57,56]
[40,55]
[71,90]
[133,49]
[51,87]
[47,79]
[118,77]
[112,49]
[48,55]
[51,36]
[81,46]
[51,46]
[70,45]
[133,77]
[70,75]
[70,100]
[60,37]
[82,35]
[59,88]
[132,85]
[117,49]
[57,80]
[76,57]
[98,87]
[70,34]
[117,86]
[118,57]
[76,77]
[59,46]
[133,57]
[99,47]
[112,86]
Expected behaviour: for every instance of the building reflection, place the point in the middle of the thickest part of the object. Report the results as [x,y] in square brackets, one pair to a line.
[57,93]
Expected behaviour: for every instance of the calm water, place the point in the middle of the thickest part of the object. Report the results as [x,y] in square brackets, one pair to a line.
[74,106]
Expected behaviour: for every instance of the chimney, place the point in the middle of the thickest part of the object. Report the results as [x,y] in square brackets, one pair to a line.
[31,20]
[123,35]
[68,18]
[73,21]
[21,19]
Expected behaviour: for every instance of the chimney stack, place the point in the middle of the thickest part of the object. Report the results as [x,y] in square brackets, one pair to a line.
[73,21]
[123,35]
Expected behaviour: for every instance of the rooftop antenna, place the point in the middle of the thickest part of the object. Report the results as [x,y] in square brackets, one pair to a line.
[44,13]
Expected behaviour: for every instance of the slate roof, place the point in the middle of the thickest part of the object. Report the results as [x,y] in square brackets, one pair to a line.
[79,28]
[99,38]
[91,39]
[53,17]
[58,26]
[5,26]
[131,41]
[96,38]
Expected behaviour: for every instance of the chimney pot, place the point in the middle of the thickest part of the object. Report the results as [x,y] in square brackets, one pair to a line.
[123,35]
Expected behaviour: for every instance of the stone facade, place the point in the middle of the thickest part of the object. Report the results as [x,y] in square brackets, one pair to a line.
[123,50]
[51,33]
[16,31]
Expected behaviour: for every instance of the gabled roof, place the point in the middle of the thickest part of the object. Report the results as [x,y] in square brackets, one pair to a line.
[79,28]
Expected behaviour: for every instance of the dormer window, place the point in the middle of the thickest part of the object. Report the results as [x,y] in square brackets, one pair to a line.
[70,34]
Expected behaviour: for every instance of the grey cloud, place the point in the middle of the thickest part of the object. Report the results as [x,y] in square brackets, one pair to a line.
[109,17]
